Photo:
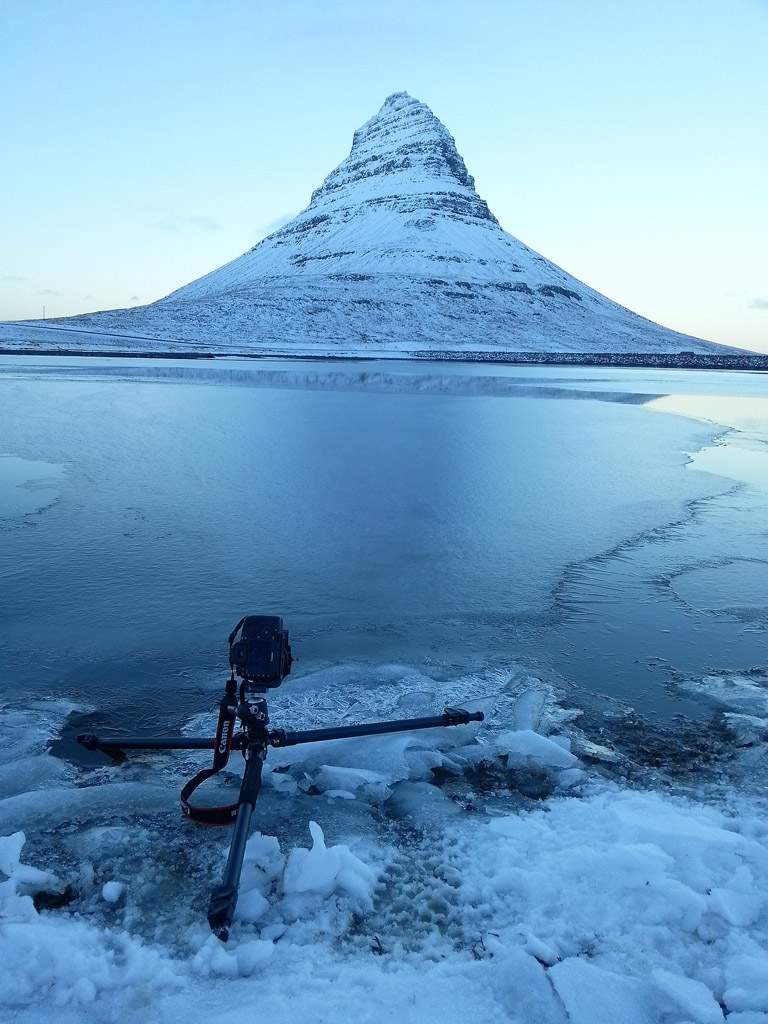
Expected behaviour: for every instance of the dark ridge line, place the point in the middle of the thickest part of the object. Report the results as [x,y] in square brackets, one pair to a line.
[661,360]
[679,360]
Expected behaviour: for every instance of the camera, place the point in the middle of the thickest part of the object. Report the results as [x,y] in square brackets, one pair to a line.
[262,656]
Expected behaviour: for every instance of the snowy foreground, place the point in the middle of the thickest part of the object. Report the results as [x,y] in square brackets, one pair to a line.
[506,872]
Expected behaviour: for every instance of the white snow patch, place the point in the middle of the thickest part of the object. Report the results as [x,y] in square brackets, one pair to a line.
[688,999]
[112,891]
[323,870]
[593,995]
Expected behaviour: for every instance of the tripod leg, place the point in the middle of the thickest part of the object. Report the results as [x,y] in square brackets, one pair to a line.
[221,909]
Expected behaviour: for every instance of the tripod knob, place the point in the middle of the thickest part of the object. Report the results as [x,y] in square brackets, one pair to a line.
[253,714]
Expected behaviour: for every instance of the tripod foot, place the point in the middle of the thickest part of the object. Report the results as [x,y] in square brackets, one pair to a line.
[221,910]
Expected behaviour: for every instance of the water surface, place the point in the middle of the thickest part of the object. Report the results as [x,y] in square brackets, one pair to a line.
[456,517]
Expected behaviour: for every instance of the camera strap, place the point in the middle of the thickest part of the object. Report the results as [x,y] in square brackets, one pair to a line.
[223,744]
[232,636]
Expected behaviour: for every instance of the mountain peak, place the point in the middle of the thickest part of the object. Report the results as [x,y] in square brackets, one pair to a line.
[404,150]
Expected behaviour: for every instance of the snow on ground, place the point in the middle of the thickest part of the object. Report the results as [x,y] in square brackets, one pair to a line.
[503,872]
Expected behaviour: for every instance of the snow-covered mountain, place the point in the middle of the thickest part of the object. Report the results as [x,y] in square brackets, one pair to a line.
[396,251]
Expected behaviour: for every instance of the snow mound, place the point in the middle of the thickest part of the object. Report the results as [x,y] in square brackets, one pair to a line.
[619,882]
[64,961]
[323,871]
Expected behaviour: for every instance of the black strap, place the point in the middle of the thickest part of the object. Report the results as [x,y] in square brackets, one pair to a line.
[224,732]
[232,636]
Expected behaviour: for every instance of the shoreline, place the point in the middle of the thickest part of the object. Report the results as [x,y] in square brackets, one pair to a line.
[757,361]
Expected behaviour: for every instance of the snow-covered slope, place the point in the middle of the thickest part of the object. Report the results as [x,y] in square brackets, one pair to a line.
[396,251]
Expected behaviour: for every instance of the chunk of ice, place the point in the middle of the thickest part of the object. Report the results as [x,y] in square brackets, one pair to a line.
[593,995]
[10,852]
[527,749]
[528,708]
[688,999]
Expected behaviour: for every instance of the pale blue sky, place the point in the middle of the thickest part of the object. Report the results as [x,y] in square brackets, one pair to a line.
[146,143]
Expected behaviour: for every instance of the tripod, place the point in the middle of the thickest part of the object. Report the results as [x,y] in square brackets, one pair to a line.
[252,740]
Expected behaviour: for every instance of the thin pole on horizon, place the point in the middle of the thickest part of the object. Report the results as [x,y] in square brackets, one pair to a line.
[43,312]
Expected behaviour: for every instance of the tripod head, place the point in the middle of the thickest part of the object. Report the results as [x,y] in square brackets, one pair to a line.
[255,718]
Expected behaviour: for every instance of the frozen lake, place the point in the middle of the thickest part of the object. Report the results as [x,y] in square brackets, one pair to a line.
[581,554]
[453,517]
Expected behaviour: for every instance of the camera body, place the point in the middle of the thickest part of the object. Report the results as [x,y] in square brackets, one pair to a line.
[262,656]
